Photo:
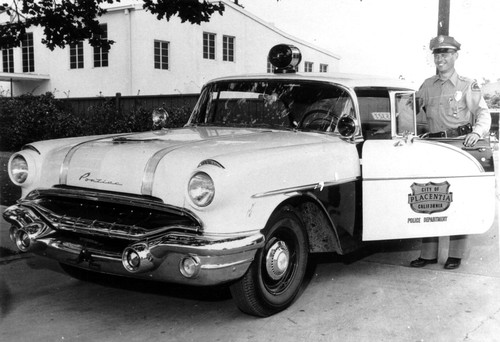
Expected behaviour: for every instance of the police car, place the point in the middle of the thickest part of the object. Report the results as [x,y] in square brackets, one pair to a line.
[269,169]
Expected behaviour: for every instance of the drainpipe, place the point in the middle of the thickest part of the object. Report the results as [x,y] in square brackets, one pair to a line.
[128,13]
[443,18]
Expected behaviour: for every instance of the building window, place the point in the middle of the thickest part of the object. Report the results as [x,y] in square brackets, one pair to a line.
[101,54]
[208,45]
[8,60]
[228,48]
[308,66]
[161,55]
[323,68]
[76,56]
[28,53]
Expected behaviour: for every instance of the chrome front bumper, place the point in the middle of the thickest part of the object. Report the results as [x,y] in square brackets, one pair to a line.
[177,257]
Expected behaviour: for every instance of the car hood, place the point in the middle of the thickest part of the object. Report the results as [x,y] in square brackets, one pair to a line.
[129,163]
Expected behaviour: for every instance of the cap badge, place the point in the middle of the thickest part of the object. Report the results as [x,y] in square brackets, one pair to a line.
[440,39]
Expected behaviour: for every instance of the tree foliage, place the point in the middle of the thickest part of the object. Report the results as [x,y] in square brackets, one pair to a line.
[66,22]
[493,101]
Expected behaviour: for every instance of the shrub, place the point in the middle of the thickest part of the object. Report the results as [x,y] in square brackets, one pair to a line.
[137,119]
[31,118]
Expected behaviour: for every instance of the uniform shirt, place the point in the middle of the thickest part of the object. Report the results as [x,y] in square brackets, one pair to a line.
[454,102]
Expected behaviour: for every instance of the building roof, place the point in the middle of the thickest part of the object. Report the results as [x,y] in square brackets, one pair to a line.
[12,76]
[278,31]
[134,5]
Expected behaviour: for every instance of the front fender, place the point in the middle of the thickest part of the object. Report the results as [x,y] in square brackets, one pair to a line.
[249,188]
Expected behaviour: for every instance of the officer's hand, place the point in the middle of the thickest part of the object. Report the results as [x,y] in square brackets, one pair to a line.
[471,139]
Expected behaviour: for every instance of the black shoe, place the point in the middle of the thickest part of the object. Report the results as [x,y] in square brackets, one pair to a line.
[452,263]
[422,262]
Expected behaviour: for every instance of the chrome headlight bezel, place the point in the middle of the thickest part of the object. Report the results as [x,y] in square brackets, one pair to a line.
[20,169]
[201,189]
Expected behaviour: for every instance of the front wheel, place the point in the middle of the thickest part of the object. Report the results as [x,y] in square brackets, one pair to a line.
[275,276]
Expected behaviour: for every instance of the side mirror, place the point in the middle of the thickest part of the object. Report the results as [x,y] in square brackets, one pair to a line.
[346,127]
[160,117]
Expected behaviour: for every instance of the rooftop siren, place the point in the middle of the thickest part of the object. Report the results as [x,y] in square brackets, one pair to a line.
[284,58]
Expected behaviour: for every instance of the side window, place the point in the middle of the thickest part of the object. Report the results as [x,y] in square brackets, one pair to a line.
[405,115]
[161,54]
[8,60]
[28,53]
[375,113]
[101,54]
[208,45]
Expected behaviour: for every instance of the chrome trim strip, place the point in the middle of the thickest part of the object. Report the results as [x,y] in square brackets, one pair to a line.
[211,162]
[63,172]
[307,187]
[152,164]
[201,246]
[30,147]
[485,174]
[231,264]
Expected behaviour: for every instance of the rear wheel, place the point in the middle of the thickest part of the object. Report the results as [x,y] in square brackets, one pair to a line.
[275,276]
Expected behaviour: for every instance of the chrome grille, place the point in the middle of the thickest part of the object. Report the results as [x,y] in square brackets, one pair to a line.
[107,215]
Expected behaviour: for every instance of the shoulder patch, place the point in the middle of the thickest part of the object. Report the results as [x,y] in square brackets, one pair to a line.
[475,87]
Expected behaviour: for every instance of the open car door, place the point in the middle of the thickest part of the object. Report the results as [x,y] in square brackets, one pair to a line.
[416,187]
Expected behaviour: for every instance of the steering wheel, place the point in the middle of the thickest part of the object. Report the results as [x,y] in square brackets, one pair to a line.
[319,119]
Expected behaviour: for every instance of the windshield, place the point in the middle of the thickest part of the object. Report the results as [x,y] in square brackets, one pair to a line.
[278,104]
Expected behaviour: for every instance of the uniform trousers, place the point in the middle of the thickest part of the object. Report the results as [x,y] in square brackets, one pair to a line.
[457,249]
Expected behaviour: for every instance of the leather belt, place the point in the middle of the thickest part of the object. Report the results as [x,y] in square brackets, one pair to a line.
[452,132]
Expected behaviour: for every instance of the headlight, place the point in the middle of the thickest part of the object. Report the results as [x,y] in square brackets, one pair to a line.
[201,189]
[18,169]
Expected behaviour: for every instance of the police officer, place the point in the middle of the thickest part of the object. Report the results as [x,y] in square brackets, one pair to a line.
[453,106]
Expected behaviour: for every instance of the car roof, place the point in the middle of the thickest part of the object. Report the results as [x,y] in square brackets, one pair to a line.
[348,80]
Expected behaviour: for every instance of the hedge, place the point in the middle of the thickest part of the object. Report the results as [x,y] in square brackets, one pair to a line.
[30,118]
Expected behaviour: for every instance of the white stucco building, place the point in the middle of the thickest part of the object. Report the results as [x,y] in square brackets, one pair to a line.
[152,57]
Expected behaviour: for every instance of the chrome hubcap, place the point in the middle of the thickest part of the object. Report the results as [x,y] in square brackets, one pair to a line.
[277,260]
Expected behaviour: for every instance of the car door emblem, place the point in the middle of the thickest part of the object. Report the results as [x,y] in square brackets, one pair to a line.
[430,197]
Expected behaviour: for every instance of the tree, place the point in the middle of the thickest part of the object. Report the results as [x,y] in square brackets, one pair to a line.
[66,22]
[485,81]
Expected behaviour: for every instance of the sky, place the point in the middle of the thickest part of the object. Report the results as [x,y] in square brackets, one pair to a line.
[391,37]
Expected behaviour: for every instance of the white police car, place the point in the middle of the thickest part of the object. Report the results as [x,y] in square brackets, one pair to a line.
[269,169]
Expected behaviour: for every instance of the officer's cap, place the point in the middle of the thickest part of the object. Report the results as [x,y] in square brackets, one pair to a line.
[444,44]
